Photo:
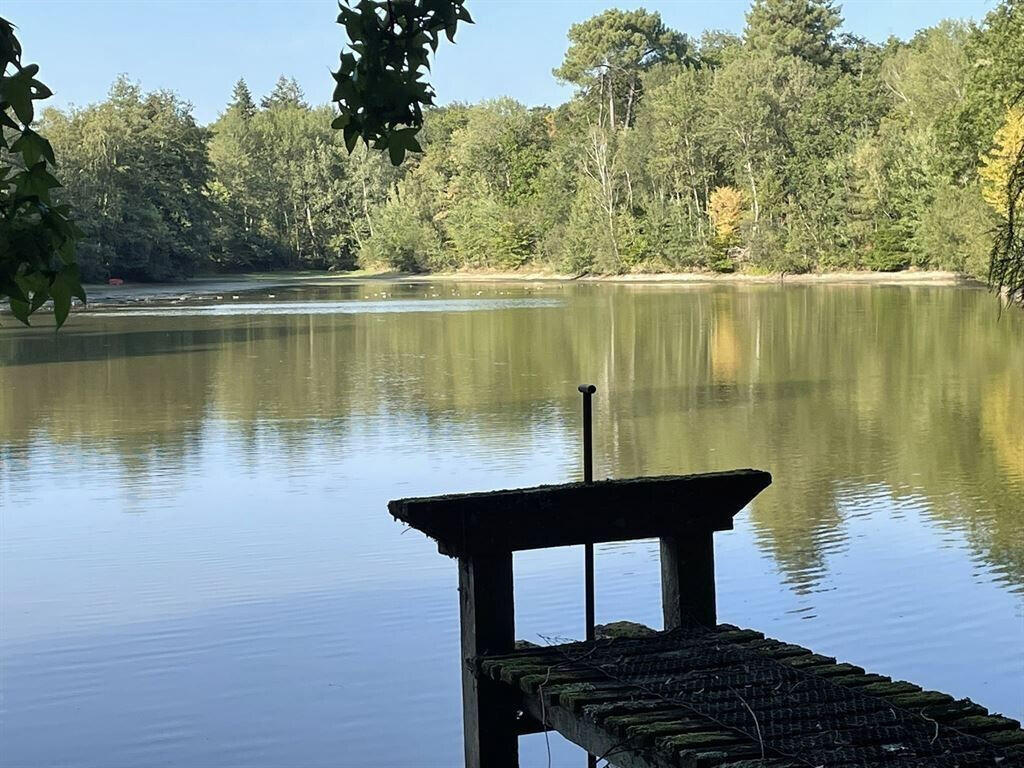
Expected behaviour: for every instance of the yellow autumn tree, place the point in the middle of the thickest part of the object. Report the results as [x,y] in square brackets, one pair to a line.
[725,208]
[997,165]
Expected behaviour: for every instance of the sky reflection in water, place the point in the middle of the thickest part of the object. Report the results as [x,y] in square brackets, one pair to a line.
[198,568]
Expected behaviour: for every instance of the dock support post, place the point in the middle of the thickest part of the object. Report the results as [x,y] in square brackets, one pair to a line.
[688,579]
[488,626]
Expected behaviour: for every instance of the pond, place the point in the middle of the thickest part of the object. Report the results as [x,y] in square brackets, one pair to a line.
[197,566]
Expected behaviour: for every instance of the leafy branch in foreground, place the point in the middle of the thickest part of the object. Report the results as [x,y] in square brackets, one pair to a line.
[37,237]
[379,93]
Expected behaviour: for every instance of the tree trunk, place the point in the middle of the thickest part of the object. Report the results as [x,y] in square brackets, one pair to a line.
[366,207]
[753,192]
[312,232]
[629,102]
[611,102]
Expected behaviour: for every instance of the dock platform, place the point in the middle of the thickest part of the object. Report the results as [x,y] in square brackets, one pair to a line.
[700,694]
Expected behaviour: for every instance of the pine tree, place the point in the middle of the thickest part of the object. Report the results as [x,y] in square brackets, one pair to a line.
[801,28]
[286,93]
[241,99]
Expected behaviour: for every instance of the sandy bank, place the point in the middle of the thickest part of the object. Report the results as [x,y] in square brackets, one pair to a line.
[909,277]
[223,285]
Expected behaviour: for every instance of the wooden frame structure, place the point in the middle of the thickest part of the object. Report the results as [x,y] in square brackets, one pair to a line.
[482,530]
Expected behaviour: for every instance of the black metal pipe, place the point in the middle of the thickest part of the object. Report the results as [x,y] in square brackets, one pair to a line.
[588,390]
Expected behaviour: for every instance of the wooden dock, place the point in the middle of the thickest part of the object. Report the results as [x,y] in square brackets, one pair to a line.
[699,694]
[697,698]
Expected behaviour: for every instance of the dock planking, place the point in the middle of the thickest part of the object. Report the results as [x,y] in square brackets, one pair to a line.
[726,697]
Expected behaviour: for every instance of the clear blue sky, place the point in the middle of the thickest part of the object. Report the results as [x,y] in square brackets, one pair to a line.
[199,48]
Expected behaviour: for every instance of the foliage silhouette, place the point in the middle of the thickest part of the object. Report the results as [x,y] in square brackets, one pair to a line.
[37,235]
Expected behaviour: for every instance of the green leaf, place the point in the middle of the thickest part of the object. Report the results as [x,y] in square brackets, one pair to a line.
[37,182]
[61,302]
[406,138]
[33,147]
[17,91]
[40,91]
[396,151]
[19,309]
[351,137]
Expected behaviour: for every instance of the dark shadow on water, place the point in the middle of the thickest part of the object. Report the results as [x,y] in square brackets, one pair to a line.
[103,344]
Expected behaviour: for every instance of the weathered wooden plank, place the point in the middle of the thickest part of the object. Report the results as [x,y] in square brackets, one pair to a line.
[688,579]
[587,734]
[577,513]
[488,626]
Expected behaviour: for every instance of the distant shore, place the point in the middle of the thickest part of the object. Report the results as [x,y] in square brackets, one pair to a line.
[211,286]
[906,277]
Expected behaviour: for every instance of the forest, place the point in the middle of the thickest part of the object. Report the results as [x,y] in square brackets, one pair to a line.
[793,147]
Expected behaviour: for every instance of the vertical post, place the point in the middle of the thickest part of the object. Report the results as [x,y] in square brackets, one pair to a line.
[488,626]
[588,391]
[688,579]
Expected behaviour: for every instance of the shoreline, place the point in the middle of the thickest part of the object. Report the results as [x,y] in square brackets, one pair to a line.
[905,277]
[200,287]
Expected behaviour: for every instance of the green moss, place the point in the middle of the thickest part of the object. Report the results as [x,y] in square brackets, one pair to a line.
[1006,738]
[920,699]
[890,689]
[572,693]
[977,723]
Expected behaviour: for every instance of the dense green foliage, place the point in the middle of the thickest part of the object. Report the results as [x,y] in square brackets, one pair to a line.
[831,153]
[264,187]
[37,236]
[380,91]
[137,171]
[789,149]
[287,193]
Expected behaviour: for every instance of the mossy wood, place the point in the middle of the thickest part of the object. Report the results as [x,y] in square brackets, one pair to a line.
[726,697]
[575,513]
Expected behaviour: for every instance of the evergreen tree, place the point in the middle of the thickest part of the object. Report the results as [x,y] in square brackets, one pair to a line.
[802,28]
[241,99]
[286,93]
[608,53]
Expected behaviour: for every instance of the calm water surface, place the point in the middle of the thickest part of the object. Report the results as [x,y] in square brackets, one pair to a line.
[197,567]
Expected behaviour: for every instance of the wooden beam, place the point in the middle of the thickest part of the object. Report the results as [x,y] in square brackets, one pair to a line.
[563,515]
[587,734]
[688,579]
[488,626]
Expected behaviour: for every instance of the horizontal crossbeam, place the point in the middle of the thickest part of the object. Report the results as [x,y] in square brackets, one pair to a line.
[577,513]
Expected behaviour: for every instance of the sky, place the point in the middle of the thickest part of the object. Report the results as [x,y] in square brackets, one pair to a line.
[199,48]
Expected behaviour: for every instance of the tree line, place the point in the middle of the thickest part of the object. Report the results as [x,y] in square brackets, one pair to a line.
[792,147]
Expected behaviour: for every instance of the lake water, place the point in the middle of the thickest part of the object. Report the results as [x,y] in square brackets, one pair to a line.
[197,567]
